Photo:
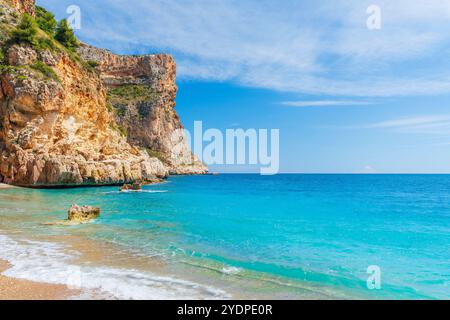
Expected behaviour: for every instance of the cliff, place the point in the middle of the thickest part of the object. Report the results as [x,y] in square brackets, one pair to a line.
[23,6]
[59,126]
[142,91]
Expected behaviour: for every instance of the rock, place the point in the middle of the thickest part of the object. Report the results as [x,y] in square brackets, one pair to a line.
[150,119]
[136,186]
[21,55]
[60,133]
[57,128]
[131,187]
[125,187]
[49,58]
[83,214]
[24,6]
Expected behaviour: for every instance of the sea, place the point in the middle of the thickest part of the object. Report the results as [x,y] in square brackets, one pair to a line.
[238,236]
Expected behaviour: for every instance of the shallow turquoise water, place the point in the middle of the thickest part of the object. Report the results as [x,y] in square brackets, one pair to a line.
[319,230]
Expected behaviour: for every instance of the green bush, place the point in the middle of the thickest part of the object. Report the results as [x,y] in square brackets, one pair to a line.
[26,31]
[46,20]
[132,93]
[156,154]
[64,34]
[122,130]
[93,64]
[45,70]
[45,44]
[121,111]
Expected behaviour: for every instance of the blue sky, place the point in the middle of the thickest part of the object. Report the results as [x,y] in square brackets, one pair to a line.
[345,98]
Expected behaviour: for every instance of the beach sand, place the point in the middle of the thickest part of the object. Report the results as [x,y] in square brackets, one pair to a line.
[6,186]
[15,289]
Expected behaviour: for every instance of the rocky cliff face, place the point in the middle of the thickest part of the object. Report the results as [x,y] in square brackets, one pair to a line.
[142,91]
[56,127]
[23,6]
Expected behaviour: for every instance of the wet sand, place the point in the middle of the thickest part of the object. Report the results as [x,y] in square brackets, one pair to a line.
[6,186]
[15,289]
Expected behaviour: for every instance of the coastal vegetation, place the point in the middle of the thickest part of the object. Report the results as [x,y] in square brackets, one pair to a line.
[156,154]
[132,93]
[40,33]
[45,70]
[46,21]
[25,32]
[64,34]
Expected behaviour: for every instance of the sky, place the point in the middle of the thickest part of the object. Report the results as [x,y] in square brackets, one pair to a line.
[346,98]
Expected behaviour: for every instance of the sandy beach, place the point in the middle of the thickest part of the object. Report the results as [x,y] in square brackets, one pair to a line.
[6,186]
[15,289]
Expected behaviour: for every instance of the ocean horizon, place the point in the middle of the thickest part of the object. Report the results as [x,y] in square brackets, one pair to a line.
[288,236]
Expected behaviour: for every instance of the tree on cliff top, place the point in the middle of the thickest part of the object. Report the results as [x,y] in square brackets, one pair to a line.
[46,20]
[64,34]
[26,31]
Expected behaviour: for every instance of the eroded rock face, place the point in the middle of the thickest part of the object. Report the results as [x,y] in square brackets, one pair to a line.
[142,90]
[57,127]
[24,6]
[21,55]
[82,214]
[58,132]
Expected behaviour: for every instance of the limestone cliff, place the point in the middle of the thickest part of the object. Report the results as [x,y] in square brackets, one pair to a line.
[142,91]
[56,127]
[23,6]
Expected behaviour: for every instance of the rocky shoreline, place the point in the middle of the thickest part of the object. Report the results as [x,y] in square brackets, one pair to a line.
[84,117]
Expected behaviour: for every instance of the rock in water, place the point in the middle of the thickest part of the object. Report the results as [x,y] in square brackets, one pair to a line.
[137,186]
[83,214]
[125,187]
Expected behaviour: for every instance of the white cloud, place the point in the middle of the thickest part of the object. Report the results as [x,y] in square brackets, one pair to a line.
[428,124]
[299,46]
[325,103]
[412,121]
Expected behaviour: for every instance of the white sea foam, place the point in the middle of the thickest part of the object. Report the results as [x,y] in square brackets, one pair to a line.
[136,191]
[231,270]
[52,263]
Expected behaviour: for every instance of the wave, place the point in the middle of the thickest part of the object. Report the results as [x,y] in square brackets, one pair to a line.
[52,263]
[231,270]
[136,191]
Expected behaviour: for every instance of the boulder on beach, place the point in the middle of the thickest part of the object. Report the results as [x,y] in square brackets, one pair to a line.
[83,214]
[77,215]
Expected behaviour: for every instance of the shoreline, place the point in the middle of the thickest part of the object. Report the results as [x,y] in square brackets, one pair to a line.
[17,289]
[6,186]
[91,262]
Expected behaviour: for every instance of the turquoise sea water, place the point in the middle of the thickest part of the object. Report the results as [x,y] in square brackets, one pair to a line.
[285,236]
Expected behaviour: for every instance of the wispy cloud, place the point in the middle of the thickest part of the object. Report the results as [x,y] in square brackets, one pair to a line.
[429,124]
[325,103]
[300,46]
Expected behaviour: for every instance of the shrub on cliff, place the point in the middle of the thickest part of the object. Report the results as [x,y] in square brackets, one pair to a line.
[45,70]
[26,31]
[46,20]
[64,34]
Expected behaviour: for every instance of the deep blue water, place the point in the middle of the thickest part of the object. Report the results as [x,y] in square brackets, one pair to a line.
[322,230]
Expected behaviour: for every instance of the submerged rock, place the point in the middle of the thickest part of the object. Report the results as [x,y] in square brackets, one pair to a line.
[83,214]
